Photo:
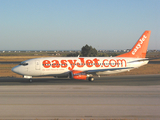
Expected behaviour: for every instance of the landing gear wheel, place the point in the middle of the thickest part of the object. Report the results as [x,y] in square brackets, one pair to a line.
[91,79]
[30,80]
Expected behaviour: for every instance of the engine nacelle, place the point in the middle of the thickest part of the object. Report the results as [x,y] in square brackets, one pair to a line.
[80,75]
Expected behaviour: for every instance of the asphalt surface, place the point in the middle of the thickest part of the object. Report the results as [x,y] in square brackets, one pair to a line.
[118,98]
[140,80]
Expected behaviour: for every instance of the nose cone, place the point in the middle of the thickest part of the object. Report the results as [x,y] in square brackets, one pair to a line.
[16,69]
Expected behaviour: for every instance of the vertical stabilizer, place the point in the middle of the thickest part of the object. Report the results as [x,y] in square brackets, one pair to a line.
[140,48]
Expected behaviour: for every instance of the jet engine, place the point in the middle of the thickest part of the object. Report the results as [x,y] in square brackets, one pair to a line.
[80,75]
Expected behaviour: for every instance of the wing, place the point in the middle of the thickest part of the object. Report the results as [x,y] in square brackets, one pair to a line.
[103,70]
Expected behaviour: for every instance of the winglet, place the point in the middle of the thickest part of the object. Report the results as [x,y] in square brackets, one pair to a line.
[140,48]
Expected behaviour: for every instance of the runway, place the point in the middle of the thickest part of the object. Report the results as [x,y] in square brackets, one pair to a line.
[140,80]
[121,97]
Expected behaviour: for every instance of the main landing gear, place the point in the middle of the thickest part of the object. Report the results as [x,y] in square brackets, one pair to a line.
[91,79]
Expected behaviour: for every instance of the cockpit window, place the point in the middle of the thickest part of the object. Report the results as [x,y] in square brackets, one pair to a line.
[23,63]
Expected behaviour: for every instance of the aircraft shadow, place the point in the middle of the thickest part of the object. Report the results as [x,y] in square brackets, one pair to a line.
[41,81]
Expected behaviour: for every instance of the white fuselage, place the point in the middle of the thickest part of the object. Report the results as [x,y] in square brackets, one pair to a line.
[55,66]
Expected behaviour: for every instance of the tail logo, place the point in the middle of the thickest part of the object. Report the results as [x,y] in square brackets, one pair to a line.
[138,46]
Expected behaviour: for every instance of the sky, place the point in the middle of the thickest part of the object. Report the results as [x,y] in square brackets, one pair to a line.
[71,24]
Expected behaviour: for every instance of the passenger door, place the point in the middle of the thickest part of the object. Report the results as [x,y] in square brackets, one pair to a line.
[37,65]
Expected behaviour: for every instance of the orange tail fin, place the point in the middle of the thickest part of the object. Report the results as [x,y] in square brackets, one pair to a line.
[140,48]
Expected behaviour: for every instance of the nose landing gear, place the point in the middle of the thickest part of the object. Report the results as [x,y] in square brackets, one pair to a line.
[30,80]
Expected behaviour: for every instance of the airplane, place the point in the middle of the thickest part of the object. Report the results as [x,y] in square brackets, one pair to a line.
[83,68]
